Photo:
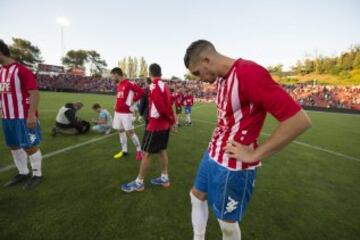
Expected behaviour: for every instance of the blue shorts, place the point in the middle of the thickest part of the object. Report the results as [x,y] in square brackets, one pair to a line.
[187,109]
[228,191]
[17,134]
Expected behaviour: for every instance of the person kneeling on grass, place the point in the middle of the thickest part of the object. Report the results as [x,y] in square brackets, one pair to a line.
[103,123]
[67,121]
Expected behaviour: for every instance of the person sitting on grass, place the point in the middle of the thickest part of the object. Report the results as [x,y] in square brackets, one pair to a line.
[103,123]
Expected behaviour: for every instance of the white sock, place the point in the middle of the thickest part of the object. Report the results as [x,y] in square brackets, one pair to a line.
[139,180]
[35,161]
[123,141]
[136,142]
[230,231]
[165,176]
[189,118]
[21,160]
[199,217]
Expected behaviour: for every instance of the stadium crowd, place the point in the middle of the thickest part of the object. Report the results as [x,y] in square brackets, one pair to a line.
[307,94]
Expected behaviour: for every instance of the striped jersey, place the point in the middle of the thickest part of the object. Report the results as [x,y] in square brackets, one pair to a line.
[244,96]
[15,83]
[127,93]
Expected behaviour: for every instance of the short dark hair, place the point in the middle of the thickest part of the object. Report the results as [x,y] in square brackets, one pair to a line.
[155,70]
[96,106]
[148,80]
[194,50]
[4,49]
[117,71]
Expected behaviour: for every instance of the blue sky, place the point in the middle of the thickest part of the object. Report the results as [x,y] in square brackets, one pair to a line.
[268,32]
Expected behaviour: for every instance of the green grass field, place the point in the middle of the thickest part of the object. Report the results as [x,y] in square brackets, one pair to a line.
[300,193]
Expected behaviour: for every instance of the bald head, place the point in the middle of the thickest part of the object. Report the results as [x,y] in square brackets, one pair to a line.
[197,50]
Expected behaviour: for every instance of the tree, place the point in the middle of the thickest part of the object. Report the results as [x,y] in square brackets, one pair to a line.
[75,59]
[276,70]
[123,65]
[25,52]
[97,65]
[143,71]
[356,62]
[130,67]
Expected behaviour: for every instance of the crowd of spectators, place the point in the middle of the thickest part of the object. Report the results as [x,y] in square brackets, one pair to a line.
[307,94]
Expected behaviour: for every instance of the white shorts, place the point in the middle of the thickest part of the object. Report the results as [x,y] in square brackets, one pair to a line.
[123,121]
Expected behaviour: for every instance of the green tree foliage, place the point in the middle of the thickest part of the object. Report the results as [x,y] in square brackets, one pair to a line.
[25,52]
[97,65]
[134,67]
[143,71]
[75,59]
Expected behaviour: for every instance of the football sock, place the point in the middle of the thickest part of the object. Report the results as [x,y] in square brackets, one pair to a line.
[136,142]
[199,217]
[20,159]
[35,161]
[123,141]
[230,231]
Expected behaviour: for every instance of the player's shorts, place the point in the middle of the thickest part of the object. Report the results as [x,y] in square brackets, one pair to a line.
[178,109]
[187,109]
[154,142]
[17,134]
[123,121]
[228,191]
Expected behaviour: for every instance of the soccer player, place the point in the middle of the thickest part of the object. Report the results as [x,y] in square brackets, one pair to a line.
[156,137]
[188,102]
[127,94]
[178,100]
[19,101]
[103,123]
[226,175]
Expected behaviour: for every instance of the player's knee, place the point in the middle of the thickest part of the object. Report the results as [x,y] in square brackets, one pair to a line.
[228,228]
[196,195]
[31,150]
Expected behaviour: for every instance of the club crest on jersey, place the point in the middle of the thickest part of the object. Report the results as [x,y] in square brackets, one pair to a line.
[5,87]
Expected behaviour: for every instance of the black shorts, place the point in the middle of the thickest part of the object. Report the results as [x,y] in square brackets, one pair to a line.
[178,109]
[154,142]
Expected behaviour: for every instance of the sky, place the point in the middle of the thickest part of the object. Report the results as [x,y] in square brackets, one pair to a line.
[267,32]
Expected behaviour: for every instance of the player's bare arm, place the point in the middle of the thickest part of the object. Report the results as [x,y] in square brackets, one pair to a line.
[285,133]
[34,104]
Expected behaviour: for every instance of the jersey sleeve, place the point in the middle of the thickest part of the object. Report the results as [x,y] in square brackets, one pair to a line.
[139,92]
[258,85]
[27,79]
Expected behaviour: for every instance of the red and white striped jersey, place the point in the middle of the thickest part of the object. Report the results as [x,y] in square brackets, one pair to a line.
[244,96]
[15,83]
[127,93]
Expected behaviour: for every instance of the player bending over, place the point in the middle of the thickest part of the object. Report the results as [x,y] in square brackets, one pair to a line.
[245,94]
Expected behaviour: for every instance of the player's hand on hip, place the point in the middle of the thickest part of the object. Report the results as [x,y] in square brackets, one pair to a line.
[240,152]
[31,121]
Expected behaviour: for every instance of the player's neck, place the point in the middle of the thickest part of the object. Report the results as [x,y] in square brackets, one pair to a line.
[7,61]
[225,65]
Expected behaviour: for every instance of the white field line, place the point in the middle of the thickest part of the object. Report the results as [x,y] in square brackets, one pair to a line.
[302,144]
[66,149]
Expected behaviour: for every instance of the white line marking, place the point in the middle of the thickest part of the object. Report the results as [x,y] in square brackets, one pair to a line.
[301,143]
[66,149]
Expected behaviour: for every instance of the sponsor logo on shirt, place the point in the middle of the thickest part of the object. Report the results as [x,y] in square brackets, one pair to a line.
[5,87]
